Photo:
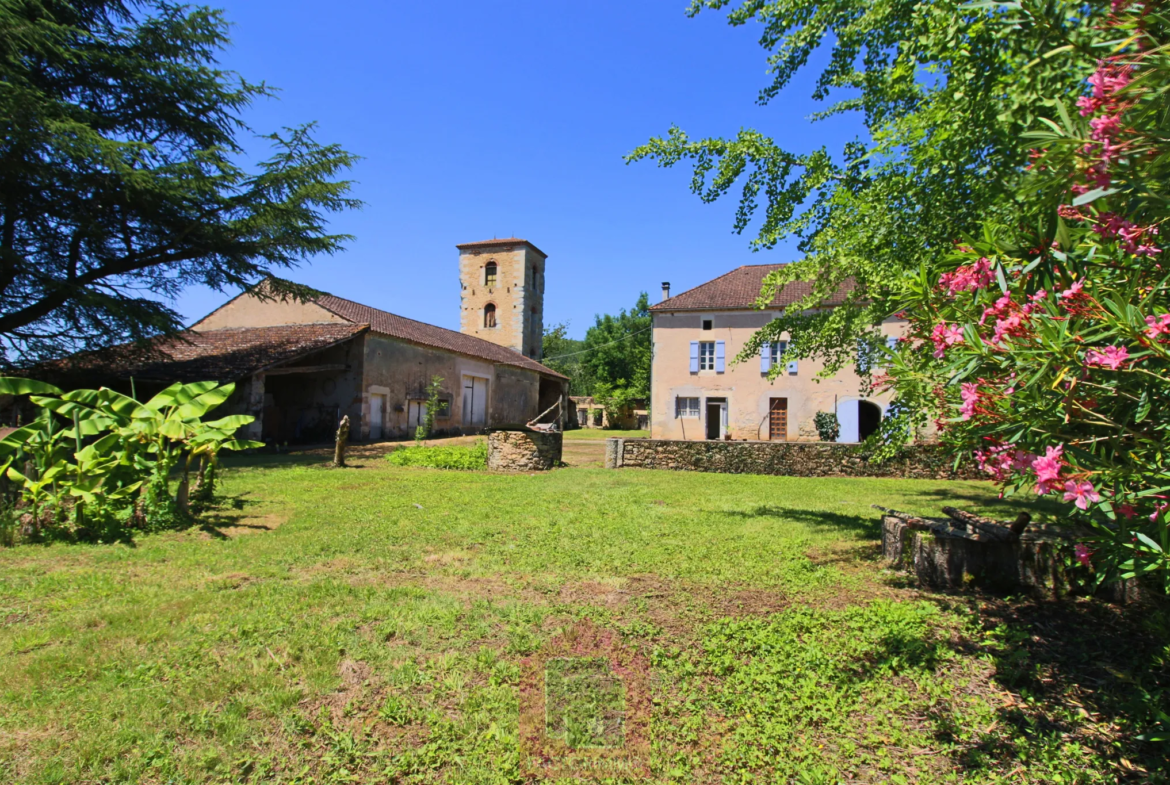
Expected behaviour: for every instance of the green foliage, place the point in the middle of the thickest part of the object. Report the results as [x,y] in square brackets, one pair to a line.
[96,460]
[827,425]
[122,146]
[945,89]
[617,352]
[564,355]
[434,392]
[454,457]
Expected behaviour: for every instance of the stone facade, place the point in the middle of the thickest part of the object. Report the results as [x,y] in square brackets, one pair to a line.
[523,451]
[743,390]
[517,294]
[784,459]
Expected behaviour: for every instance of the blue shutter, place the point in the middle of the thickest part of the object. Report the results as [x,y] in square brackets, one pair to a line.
[792,368]
[766,358]
[719,356]
[891,343]
[694,356]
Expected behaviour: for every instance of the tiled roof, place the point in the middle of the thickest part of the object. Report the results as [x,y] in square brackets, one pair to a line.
[740,288]
[220,355]
[429,335]
[501,241]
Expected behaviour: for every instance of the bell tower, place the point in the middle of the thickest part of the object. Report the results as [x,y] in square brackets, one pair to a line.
[502,293]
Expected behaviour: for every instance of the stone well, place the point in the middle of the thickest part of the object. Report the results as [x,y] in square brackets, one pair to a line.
[523,451]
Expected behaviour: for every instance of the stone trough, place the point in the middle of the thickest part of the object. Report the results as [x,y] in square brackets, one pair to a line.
[965,550]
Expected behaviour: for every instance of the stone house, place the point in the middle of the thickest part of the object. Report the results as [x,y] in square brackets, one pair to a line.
[301,366]
[591,414]
[698,392]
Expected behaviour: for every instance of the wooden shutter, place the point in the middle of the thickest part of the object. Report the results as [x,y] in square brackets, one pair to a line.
[719,356]
[694,356]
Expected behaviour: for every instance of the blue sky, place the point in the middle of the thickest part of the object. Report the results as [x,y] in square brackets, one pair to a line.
[477,120]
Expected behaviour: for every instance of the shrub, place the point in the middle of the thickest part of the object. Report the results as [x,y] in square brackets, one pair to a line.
[463,458]
[828,426]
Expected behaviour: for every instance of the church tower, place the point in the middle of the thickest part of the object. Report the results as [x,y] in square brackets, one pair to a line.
[502,293]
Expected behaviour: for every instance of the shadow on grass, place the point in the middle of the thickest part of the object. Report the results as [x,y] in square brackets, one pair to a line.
[1087,672]
[820,520]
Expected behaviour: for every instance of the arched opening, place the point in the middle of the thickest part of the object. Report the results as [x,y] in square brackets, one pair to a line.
[535,282]
[489,315]
[489,275]
[869,419]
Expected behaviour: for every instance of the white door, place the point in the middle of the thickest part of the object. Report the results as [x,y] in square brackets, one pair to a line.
[376,413]
[847,417]
[475,401]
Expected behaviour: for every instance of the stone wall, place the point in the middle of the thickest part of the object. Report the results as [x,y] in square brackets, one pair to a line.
[785,459]
[523,451]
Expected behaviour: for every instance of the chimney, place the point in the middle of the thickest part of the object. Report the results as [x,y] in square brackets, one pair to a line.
[665,290]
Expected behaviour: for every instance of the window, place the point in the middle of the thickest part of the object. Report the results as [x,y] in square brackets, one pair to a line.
[489,275]
[706,355]
[444,408]
[770,354]
[535,278]
[489,315]
[686,407]
[708,324]
[598,414]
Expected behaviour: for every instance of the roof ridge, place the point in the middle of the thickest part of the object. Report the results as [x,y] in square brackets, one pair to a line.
[522,359]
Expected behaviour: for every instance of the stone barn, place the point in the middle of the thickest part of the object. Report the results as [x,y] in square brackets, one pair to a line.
[300,366]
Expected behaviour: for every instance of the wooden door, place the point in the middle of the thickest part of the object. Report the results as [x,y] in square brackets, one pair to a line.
[475,394]
[778,420]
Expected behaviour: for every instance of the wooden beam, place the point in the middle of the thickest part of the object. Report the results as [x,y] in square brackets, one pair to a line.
[306,369]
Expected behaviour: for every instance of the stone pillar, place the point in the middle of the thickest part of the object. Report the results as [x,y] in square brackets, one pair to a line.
[615,449]
[255,406]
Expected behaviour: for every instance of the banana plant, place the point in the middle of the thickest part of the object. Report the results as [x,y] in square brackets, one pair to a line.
[115,448]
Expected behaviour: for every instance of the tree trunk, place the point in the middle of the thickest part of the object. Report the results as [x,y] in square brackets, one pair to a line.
[342,440]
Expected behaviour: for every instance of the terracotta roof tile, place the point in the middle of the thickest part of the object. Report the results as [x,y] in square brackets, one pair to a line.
[429,335]
[501,241]
[219,355]
[740,288]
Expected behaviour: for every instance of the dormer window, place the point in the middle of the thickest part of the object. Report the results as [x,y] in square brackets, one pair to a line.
[489,276]
[489,315]
[708,324]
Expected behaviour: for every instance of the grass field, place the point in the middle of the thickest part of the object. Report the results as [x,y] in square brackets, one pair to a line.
[601,433]
[387,624]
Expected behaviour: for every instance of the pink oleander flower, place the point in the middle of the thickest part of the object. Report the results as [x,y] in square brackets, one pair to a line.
[943,336]
[1013,325]
[1047,468]
[1074,291]
[1089,105]
[1105,127]
[970,394]
[1082,554]
[1113,357]
[1158,325]
[1069,213]
[1127,511]
[1082,493]
[1109,79]
[966,279]
[1147,250]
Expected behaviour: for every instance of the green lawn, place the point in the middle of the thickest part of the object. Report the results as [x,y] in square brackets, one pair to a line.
[386,624]
[601,433]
